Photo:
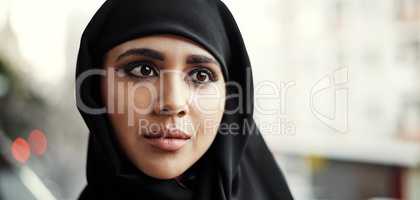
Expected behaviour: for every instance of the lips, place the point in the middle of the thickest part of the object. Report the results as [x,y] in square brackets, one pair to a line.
[168,139]
[168,133]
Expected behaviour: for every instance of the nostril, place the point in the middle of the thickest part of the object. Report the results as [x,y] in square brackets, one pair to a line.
[168,110]
[181,113]
[164,111]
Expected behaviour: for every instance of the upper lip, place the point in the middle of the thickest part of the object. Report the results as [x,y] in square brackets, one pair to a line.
[172,133]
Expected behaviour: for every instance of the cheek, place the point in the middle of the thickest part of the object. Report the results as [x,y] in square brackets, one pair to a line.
[208,107]
[141,97]
[209,100]
[124,96]
[127,103]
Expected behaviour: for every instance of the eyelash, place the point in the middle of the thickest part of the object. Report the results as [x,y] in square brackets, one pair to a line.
[128,70]
[211,75]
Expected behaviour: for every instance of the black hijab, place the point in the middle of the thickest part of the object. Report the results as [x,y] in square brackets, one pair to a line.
[237,165]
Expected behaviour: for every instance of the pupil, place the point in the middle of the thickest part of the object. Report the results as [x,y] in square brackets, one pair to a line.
[145,70]
[201,76]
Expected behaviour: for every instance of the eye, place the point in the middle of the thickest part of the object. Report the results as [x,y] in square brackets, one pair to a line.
[141,70]
[201,75]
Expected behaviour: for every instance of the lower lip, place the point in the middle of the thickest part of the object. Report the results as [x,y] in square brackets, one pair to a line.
[167,144]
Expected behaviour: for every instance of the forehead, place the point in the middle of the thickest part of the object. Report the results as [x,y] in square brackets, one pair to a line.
[166,44]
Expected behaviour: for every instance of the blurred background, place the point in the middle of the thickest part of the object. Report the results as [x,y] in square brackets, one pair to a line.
[336,85]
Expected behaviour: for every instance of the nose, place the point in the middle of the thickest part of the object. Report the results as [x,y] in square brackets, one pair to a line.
[173,95]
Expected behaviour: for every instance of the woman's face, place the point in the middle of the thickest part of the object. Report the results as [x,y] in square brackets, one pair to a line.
[165,96]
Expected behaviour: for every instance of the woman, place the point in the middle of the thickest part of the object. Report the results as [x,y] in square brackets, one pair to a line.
[165,88]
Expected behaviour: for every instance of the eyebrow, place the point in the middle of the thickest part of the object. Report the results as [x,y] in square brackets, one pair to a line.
[200,59]
[191,59]
[143,52]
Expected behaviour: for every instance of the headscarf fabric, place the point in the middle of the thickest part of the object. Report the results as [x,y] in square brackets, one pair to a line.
[237,166]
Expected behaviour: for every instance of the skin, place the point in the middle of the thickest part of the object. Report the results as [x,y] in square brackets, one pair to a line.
[182,94]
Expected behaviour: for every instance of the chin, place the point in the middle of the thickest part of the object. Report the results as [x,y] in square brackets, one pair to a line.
[164,170]
[163,173]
